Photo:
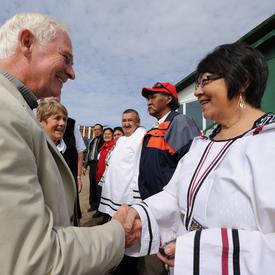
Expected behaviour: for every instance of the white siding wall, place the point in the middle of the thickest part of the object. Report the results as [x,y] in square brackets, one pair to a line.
[187,95]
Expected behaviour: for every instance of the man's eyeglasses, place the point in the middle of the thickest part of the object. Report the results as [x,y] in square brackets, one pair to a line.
[201,82]
[159,85]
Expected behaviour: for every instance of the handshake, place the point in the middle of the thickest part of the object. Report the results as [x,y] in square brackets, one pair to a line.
[129,219]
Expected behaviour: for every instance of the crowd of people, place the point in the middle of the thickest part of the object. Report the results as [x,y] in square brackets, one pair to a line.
[172,200]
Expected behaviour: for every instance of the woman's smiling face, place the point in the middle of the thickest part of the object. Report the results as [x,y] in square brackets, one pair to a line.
[213,98]
[55,126]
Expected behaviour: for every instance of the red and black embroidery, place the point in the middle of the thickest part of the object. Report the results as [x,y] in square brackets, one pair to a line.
[197,181]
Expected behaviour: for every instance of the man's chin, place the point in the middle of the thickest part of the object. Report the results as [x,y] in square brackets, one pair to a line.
[56,94]
[49,94]
[151,112]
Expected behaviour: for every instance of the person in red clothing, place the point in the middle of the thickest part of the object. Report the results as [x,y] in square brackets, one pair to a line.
[106,147]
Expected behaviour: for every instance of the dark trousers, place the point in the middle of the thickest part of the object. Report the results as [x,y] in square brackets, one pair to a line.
[128,265]
[77,210]
[152,265]
[93,198]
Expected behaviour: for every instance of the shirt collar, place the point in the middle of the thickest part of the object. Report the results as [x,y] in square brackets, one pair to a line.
[162,119]
[61,146]
[27,94]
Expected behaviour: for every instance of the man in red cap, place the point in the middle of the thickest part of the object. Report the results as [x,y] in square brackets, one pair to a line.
[163,146]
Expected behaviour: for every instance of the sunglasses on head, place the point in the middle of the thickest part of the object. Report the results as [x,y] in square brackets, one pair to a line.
[159,85]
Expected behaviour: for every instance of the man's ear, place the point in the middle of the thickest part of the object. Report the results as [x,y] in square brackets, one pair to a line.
[26,40]
[169,99]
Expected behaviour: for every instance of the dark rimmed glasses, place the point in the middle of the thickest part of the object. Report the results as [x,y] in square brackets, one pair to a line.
[201,82]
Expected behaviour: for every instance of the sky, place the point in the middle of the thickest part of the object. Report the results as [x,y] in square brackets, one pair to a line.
[121,46]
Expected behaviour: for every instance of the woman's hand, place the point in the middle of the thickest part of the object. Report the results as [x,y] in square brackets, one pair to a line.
[167,253]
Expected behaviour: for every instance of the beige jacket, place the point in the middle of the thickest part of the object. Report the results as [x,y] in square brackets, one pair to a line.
[36,203]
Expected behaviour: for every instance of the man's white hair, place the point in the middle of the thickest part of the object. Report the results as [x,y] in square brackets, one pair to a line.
[42,26]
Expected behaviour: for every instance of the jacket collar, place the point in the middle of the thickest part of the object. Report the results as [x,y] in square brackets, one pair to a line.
[24,90]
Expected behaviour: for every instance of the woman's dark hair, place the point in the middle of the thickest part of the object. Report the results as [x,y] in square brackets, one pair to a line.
[108,128]
[244,68]
[118,128]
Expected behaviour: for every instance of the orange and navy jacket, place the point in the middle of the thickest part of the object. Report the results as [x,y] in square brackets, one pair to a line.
[158,159]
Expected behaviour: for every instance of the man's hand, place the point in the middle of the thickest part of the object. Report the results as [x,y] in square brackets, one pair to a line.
[132,227]
[130,221]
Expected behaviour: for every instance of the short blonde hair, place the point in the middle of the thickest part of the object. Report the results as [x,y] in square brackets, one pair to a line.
[48,108]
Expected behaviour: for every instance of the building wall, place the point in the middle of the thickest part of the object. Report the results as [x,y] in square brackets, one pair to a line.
[190,105]
[86,131]
[268,103]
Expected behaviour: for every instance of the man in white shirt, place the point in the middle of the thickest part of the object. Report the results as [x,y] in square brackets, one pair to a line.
[120,182]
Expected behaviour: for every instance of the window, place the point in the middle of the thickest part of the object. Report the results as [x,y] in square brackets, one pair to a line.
[193,110]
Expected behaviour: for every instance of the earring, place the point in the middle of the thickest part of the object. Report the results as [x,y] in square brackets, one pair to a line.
[241,102]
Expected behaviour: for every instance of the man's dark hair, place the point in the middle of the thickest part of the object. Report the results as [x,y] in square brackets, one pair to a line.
[174,104]
[98,124]
[243,67]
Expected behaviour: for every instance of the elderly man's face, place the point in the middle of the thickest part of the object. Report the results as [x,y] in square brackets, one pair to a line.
[51,66]
[158,104]
[129,123]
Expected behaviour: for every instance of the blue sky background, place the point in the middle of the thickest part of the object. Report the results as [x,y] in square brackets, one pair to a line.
[121,46]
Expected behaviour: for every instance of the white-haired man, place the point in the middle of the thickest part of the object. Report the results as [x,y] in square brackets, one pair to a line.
[37,189]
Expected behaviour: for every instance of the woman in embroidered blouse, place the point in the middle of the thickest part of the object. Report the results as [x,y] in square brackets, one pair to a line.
[219,205]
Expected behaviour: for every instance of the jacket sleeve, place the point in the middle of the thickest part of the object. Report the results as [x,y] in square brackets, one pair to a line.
[29,241]
[136,149]
[86,160]
[161,220]
[180,134]
[225,251]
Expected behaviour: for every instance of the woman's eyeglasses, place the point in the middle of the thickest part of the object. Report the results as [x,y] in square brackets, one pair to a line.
[201,82]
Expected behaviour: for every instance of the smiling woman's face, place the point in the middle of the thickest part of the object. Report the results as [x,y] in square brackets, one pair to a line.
[213,99]
[117,134]
[55,126]
[107,135]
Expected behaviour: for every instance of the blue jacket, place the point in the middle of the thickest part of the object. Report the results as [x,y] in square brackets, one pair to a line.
[162,148]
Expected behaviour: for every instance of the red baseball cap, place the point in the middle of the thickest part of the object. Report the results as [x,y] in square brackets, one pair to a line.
[161,87]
